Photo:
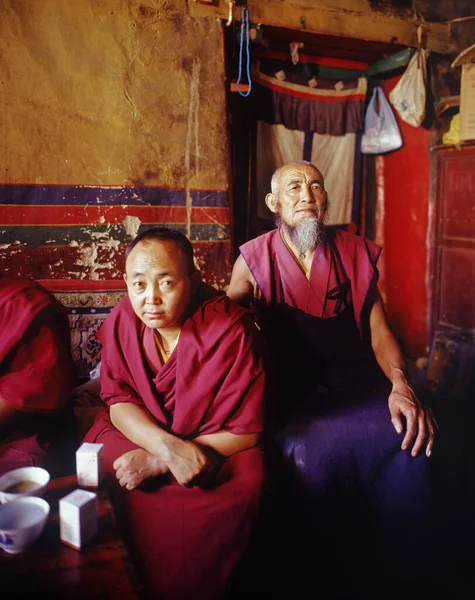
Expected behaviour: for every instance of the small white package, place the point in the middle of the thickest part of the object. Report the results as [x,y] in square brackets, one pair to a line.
[78,518]
[89,468]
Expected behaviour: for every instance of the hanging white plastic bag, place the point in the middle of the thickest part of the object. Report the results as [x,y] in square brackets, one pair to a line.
[381,132]
[409,95]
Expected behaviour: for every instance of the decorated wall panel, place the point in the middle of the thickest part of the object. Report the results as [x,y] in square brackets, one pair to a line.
[113,119]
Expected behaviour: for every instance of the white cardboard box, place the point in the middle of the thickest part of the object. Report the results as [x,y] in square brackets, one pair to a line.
[89,468]
[78,518]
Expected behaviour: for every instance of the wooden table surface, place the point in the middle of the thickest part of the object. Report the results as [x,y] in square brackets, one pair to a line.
[51,569]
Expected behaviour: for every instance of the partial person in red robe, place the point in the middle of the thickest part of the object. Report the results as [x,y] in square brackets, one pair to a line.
[182,375]
[36,373]
[351,436]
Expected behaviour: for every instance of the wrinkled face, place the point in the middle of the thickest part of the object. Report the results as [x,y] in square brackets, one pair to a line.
[159,283]
[301,195]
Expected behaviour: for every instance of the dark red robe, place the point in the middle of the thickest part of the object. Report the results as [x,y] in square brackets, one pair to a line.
[187,542]
[280,278]
[36,371]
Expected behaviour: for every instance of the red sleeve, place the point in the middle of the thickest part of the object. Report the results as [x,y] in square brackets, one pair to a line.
[231,382]
[245,382]
[115,387]
[38,376]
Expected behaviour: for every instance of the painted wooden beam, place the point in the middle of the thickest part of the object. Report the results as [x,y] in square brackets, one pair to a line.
[343,18]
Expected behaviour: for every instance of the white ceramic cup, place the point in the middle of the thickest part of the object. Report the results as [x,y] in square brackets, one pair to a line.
[22,522]
[36,477]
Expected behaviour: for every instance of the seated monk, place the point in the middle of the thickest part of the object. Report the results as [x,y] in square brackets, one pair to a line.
[350,434]
[36,373]
[182,375]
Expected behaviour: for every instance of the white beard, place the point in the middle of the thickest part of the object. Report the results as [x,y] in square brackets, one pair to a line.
[305,235]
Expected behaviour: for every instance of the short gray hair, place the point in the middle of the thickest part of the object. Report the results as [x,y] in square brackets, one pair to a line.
[274,182]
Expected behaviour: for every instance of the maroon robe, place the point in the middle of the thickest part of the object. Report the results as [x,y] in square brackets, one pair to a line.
[280,278]
[36,372]
[187,542]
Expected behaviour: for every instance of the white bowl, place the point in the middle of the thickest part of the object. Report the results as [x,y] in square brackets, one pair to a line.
[21,522]
[33,480]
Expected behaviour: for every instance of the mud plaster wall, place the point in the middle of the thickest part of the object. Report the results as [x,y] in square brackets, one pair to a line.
[113,118]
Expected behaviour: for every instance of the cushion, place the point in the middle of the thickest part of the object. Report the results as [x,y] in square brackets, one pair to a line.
[87,311]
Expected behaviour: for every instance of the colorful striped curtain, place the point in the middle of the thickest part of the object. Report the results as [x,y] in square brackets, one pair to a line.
[302,117]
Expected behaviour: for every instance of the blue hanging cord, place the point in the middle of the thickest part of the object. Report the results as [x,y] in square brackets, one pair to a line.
[244,31]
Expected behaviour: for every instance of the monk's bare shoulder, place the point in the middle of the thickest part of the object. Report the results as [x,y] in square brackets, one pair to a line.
[242,282]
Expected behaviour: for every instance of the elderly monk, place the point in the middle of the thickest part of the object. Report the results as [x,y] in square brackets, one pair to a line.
[36,373]
[345,396]
[183,379]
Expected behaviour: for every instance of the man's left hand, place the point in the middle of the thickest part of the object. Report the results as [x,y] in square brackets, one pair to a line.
[419,420]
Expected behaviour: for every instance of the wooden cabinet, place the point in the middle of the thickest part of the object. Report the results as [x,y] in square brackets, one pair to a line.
[451,365]
[454,260]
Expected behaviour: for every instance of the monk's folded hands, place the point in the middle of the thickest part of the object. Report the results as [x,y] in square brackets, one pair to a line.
[185,460]
[134,467]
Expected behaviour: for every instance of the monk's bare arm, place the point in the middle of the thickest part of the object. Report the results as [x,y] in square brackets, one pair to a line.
[7,413]
[241,287]
[138,425]
[226,443]
[403,402]
[186,460]
[384,344]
